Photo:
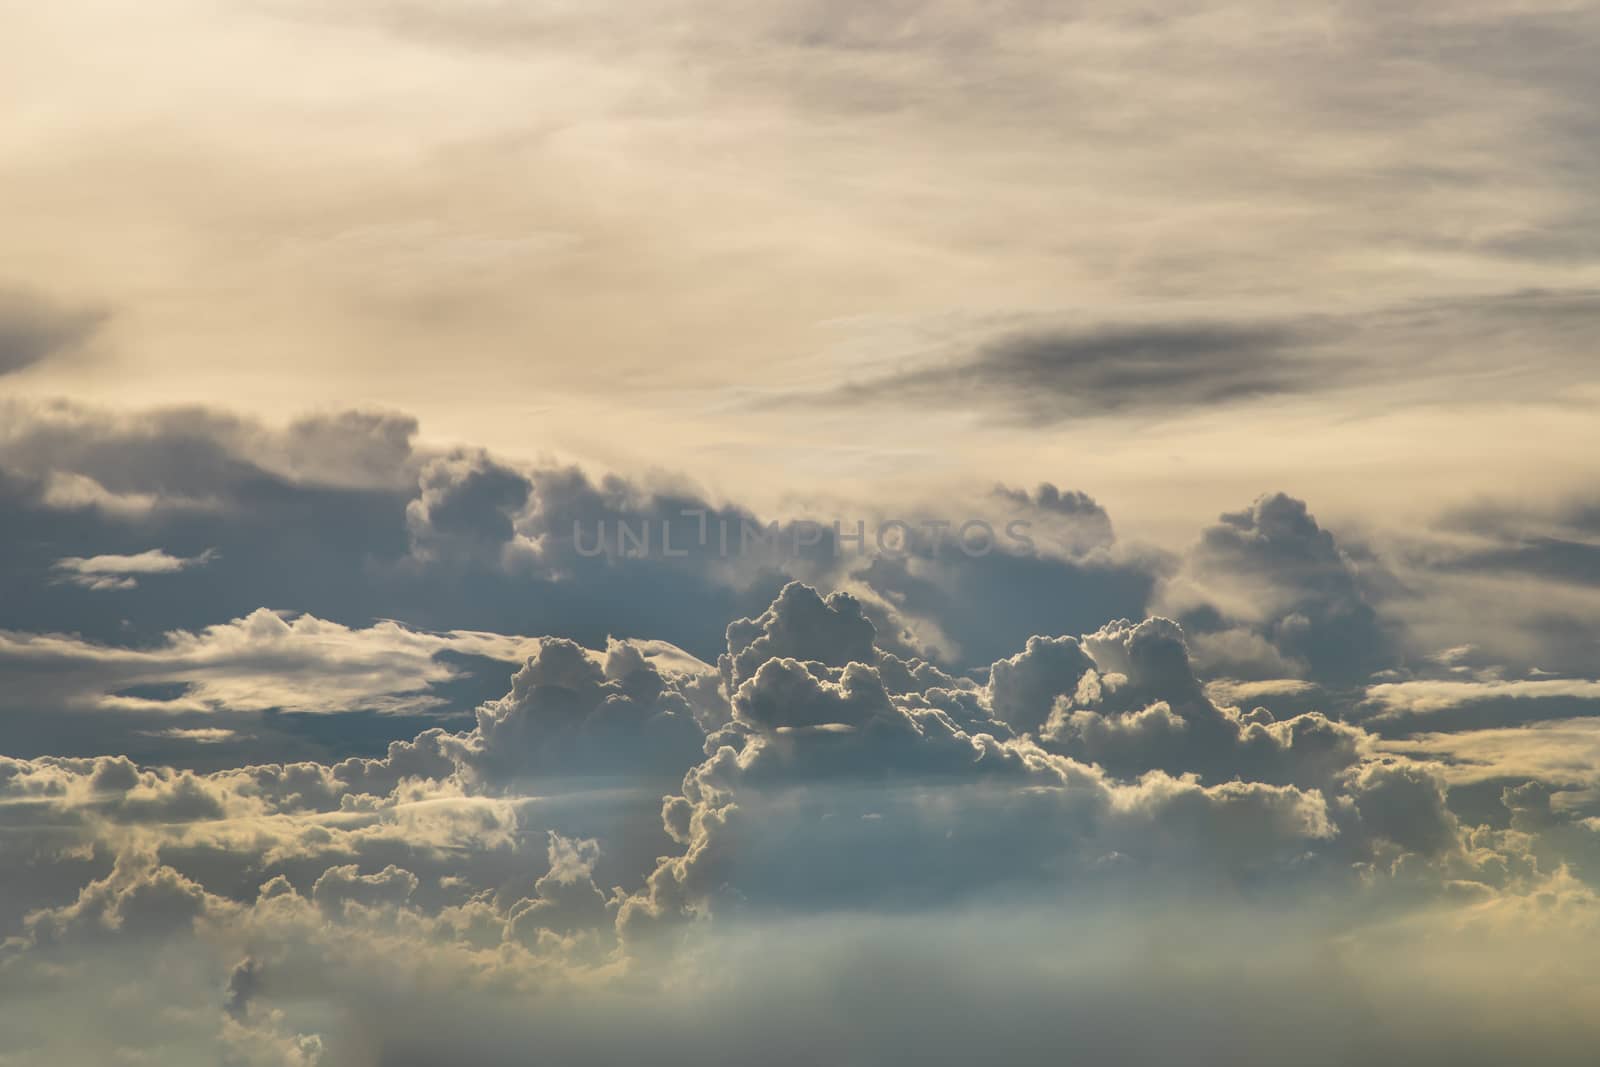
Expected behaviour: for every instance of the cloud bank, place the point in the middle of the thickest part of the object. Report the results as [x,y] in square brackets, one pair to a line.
[610,857]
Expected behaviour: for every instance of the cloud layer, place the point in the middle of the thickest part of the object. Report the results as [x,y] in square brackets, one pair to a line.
[812,779]
[1225,691]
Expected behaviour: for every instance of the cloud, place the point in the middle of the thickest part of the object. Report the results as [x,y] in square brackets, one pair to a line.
[1054,567]
[1564,753]
[1087,522]
[1135,770]
[200,735]
[378,529]
[976,131]
[628,824]
[1049,377]
[1448,705]
[339,887]
[1052,373]
[570,712]
[1139,705]
[459,539]
[1270,593]
[800,624]
[123,572]
[1241,985]
[343,517]
[1428,696]
[1517,581]
[1024,688]
[33,329]
[1255,801]
[467,505]
[265,660]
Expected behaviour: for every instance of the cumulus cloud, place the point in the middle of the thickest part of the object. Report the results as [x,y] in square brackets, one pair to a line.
[1134,702]
[1268,591]
[570,712]
[1300,790]
[1134,770]
[623,819]
[943,735]
[467,505]
[1050,563]
[1086,523]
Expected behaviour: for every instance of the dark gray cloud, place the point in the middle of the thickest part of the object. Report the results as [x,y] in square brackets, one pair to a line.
[1069,576]
[33,329]
[337,517]
[1267,591]
[1542,556]
[1504,586]
[342,518]
[1403,709]
[1519,344]
[1559,544]
[1048,376]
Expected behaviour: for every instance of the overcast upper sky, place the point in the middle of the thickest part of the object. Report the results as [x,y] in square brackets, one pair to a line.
[345,344]
[626,232]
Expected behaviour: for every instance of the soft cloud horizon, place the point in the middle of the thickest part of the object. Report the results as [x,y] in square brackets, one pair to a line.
[798,533]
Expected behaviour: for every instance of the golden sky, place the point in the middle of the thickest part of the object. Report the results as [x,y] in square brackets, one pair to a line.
[678,232]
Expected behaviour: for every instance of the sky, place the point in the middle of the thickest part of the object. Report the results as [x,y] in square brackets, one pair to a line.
[798,532]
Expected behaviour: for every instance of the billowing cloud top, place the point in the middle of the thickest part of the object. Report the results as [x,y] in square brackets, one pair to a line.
[342,837]
[708,533]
